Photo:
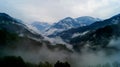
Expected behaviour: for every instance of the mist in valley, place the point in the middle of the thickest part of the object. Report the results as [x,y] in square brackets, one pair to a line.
[84,58]
[64,33]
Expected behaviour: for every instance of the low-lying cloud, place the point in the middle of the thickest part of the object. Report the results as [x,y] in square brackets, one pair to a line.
[85,58]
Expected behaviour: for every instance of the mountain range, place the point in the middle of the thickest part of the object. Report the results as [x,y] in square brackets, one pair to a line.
[15,36]
[77,32]
[98,33]
[69,23]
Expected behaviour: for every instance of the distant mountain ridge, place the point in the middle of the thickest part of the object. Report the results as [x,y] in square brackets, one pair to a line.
[67,35]
[87,20]
[41,26]
[96,35]
[68,23]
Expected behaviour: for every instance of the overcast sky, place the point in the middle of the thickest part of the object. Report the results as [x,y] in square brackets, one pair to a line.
[54,10]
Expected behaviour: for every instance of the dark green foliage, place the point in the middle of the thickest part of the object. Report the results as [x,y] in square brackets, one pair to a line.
[11,61]
[60,64]
[31,65]
[6,37]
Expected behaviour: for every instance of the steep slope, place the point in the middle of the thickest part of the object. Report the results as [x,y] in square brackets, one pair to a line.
[97,39]
[14,26]
[68,34]
[64,24]
[16,37]
[68,23]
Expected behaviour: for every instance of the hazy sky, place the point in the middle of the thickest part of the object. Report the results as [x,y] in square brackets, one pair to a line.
[54,10]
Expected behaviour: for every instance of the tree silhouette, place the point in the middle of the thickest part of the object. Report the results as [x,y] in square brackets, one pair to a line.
[11,61]
[45,64]
[60,64]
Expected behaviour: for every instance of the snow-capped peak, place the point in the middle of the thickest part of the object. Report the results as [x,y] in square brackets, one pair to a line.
[64,24]
[68,23]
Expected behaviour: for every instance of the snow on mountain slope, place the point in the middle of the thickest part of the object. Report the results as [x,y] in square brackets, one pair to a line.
[68,23]
[68,34]
[64,24]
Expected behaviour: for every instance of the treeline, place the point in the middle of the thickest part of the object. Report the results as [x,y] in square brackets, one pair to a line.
[12,61]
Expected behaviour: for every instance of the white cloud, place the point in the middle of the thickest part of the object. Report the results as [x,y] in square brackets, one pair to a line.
[54,10]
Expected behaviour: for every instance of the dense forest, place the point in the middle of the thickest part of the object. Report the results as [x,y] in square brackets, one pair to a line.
[12,61]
